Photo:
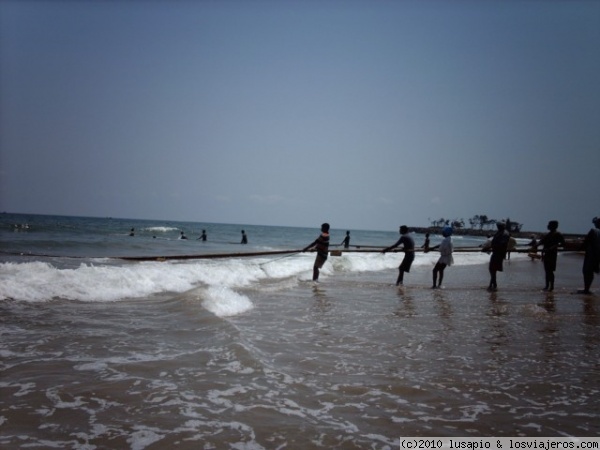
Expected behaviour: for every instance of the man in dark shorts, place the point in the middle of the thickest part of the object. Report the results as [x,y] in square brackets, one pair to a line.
[591,261]
[409,253]
[321,245]
[346,241]
[551,242]
[498,246]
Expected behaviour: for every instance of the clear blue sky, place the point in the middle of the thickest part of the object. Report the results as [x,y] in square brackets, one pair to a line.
[366,114]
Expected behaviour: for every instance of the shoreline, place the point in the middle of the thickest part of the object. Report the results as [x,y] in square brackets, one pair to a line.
[352,362]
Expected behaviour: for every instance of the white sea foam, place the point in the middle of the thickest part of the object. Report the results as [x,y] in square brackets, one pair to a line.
[160,229]
[39,281]
[143,437]
[99,282]
[223,302]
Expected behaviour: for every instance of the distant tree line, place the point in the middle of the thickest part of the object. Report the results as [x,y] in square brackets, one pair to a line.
[480,221]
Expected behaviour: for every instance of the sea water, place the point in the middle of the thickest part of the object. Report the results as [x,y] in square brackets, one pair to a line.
[246,352]
[78,258]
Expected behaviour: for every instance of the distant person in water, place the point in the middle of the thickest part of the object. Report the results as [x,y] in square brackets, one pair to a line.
[512,245]
[321,245]
[425,245]
[591,261]
[408,246]
[132,232]
[346,241]
[446,247]
[182,235]
[533,247]
[244,238]
[498,246]
[551,241]
[202,236]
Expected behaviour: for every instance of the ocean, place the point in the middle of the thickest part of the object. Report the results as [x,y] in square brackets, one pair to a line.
[215,349]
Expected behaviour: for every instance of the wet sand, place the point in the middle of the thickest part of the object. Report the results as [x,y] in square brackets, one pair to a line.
[354,362]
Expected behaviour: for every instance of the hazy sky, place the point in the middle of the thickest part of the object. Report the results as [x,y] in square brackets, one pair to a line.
[366,114]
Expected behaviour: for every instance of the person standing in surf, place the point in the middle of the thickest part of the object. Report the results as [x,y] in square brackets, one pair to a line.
[408,246]
[346,241]
[498,246]
[591,261]
[244,238]
[425,245]
[446,258]
[533,247]
[551,241]
[321,245]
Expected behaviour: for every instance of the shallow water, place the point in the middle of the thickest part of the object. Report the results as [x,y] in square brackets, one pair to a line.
[353,362]
[248,353]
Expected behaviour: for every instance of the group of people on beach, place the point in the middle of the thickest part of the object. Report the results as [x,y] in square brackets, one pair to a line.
[497,247]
